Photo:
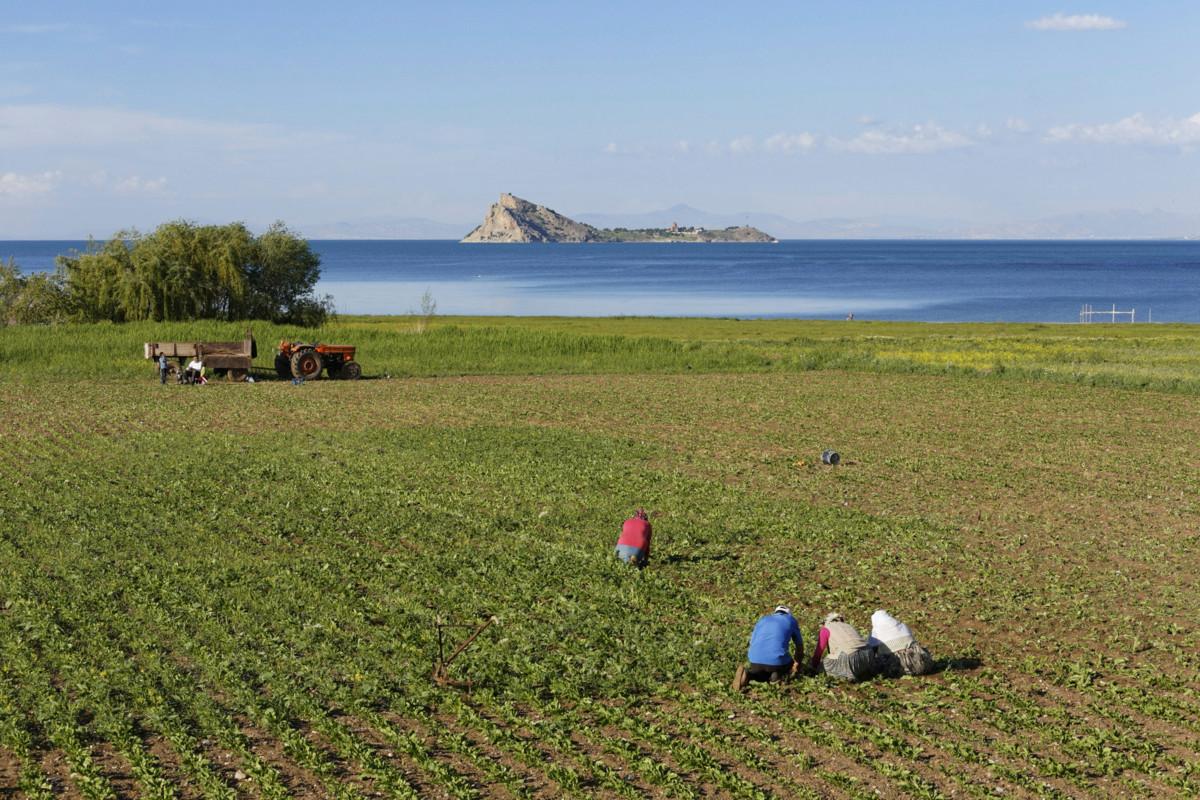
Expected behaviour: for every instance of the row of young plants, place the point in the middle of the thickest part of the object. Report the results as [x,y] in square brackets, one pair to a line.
[108,681]
[270,617]
[143,584]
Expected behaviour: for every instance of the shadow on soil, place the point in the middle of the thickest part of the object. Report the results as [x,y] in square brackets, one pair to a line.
[273,377]
[696,558]
[955,664]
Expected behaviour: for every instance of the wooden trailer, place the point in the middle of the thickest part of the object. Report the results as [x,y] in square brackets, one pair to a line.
[232,359]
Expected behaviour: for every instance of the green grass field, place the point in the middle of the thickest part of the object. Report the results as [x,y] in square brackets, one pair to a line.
[232,591]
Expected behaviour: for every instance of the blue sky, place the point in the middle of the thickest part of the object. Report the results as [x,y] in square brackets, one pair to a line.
[122,114]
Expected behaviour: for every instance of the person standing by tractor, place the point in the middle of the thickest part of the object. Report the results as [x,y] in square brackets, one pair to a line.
[768,657]
[633,545]
[163,369]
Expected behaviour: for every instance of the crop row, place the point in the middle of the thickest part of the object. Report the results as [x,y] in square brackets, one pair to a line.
[282,588]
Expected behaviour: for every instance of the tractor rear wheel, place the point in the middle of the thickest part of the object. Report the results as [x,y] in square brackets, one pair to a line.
[351,371]
[283,367]
[306,364]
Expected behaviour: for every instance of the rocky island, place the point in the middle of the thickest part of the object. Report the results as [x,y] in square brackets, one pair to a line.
[513,220]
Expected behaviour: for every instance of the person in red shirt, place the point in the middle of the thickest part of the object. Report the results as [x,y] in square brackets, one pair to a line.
[633,546]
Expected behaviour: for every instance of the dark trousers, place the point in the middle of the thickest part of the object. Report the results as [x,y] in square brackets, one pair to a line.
[769,673]
[162,375]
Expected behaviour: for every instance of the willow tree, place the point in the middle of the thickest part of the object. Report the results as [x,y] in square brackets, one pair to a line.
[39,297]
[187,271]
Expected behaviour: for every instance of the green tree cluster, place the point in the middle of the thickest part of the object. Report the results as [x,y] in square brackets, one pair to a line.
[180,271]
[40,297]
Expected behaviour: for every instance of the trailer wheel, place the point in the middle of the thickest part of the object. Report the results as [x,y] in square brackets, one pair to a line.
[283,367]
[351,371]
[237,375]
[306,364]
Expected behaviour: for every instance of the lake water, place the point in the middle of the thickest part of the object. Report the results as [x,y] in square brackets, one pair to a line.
[912,280]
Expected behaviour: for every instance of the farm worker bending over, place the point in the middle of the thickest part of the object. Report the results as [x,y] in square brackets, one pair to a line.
[768,653]
[633,545]
[846,654]
[896,649]
[193,369]
[162,367]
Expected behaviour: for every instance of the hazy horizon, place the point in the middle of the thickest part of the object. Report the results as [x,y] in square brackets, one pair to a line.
[992,115]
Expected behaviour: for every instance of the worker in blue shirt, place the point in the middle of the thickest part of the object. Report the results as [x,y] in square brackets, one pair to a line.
[768,654]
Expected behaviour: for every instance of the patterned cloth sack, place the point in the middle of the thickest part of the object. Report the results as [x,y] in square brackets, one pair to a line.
[915,660]
[856,666]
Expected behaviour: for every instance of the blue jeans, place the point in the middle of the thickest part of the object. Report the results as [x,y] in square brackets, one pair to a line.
[631,555]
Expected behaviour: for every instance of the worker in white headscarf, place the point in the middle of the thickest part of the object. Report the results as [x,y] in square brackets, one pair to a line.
[896,648]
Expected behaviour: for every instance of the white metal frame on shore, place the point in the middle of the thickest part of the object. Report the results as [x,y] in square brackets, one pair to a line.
[1089,314]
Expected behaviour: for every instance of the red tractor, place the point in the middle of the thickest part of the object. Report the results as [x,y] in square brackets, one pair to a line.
[297,360]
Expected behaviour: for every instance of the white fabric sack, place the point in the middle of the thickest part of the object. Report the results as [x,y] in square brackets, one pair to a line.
[888,632]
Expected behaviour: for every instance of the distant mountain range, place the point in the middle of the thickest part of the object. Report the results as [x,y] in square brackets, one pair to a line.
[1117,224]
[386,228]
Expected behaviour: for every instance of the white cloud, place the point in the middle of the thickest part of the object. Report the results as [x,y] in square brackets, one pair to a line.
[136,184]
[1076,22]
[144,22]
[869,121]
[15,185]
[1017,125]
[1135,129]
[92,127]
[790,142]
[617,149]
[742,145]
[927,138]
[34,28]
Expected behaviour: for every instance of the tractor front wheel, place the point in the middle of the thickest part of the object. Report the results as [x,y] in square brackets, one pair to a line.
[351,371]
[306,364]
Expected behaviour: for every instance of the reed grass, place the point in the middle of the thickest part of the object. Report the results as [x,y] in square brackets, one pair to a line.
[1161,357]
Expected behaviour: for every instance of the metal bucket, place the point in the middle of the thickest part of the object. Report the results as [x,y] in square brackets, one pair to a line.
[830,457]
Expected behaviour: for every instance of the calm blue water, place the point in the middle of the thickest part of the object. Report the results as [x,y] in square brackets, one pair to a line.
[916,280]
